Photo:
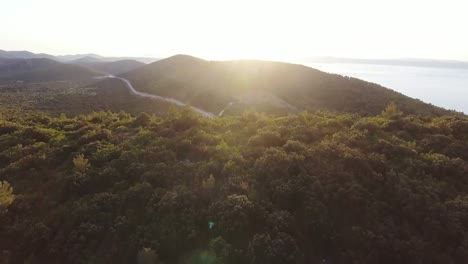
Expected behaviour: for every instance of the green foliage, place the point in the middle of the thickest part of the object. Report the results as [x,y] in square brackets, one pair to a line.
[143,119]
[221,249]
[6,195]
[309,188]
[391,111]
[105,153]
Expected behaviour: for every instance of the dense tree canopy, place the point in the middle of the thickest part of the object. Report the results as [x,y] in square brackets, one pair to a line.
[309,188]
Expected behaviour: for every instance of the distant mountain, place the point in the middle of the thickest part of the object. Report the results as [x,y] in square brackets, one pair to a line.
[85,60]
[271,86]
[396,62]
[35,70]
[94,57]
[67,58]
[145,60]
[114,67]
[23,55]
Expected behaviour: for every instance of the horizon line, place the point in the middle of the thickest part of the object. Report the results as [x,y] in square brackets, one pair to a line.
[226,58]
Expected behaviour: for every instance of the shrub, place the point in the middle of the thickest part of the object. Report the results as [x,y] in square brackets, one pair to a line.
[80,163]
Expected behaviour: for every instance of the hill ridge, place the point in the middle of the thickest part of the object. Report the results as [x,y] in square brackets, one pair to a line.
[212,85]
[42,69]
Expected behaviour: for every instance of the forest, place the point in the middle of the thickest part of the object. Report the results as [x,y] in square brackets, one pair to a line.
[316,187]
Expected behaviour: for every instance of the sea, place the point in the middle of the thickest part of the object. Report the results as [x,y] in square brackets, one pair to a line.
[444,87]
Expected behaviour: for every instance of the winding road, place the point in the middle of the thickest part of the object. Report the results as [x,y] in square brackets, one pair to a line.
[229,105]
[157,97]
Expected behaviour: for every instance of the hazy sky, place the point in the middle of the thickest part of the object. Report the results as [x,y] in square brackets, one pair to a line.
[220,29]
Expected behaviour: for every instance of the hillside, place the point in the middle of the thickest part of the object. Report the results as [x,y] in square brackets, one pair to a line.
[310,188]
[113,67]
[34,70]
[122,186]
[213,85]
[73,98]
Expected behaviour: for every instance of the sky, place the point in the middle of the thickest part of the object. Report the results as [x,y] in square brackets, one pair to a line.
[218,29]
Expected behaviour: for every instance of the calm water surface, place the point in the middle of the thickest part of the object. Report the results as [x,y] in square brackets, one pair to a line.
[443,87]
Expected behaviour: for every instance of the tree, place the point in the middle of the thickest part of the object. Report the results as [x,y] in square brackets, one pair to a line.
[221,248]
[81,164]
[6,195]
[209,183]
[147,256]
[278,249]
[232,216]
[143,119]
[391,111]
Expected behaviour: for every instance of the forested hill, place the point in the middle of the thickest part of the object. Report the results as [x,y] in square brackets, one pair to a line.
[270,86]
[309,188]
[41,69]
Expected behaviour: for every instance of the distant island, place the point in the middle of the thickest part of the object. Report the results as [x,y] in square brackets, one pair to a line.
[395,62]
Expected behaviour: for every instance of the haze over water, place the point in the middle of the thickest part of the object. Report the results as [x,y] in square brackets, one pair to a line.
[445,87]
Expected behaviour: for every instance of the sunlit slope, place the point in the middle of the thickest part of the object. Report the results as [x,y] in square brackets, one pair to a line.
[213,85]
